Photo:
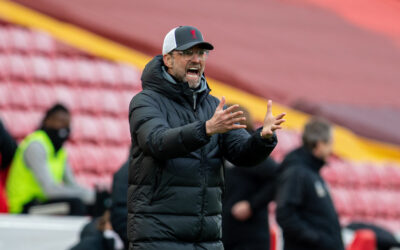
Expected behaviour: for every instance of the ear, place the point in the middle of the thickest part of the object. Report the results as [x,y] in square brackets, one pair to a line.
[168,60]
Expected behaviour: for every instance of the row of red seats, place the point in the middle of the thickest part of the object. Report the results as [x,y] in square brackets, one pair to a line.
[340,173]
[367,203]
[14,38]
[96,101]
[100,160]
[98,130]
[82,71]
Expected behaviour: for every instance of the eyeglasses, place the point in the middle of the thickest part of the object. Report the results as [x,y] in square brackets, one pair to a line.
[189,53]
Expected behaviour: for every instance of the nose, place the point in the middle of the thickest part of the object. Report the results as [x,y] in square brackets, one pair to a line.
[195,58]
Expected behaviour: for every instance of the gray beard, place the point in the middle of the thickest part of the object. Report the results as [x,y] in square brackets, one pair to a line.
[195,85]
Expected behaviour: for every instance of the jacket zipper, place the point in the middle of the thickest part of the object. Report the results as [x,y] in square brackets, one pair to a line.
[203,180]
[194,102]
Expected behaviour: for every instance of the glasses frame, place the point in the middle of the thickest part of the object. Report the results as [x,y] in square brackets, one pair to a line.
[189,53]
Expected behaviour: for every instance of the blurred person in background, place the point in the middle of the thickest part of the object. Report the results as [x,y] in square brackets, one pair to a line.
[40,174]
[8,146]
[180,136]
[119,210]
[103,237]
[247,194]
[305,210]
[108,232]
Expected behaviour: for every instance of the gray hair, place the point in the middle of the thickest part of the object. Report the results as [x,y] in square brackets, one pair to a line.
[316,130]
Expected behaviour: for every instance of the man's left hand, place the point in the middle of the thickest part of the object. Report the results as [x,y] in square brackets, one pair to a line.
[271,122]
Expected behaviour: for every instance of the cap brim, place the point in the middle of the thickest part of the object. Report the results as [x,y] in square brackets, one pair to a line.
[203,45]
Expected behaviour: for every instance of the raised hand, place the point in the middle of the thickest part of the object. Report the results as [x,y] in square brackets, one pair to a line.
[225,120]
[271,122]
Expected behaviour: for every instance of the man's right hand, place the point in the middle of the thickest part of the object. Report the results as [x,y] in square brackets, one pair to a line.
[225,120]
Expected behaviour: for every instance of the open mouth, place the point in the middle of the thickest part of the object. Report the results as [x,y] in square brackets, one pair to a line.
[193,72]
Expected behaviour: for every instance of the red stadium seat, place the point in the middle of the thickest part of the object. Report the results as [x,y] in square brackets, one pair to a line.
[22,95]
[21,123]
[126,135]
[4,39]
[342,199]
[108,73]
[392,176]
[5,95]
[65,70]
[67,96]
[43,42]
[90,100]
[75,157]
[20,40]
[4,66]
[86,72]
[364,239]
[116,156]
[19,67]
[44,96]
[86,129]
[42,68]
[112,130]
[111,102]
[130,77]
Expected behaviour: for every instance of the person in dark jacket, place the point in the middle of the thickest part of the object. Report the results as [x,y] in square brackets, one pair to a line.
[180,135]
[247,194]
[119,211]
[305,210]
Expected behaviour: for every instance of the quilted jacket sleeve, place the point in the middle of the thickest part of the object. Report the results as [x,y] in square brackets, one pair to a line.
[152,133]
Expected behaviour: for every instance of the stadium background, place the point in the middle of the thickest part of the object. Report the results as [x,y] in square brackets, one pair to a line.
[332,58]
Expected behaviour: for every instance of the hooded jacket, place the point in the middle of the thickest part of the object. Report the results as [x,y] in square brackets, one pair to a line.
[305,210]
[175,173]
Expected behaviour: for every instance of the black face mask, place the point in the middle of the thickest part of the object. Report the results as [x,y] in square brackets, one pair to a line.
[57,136]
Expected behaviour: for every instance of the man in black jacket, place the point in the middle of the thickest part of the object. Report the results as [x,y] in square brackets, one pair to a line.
[180,135]
[305,209]
[247,194]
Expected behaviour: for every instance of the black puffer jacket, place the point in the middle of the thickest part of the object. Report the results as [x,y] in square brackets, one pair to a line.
[305,209]
[176,174]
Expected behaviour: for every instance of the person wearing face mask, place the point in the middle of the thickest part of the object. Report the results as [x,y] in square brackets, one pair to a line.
[305,211]
[40,176]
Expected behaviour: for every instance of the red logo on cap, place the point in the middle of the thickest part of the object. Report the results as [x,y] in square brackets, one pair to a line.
[193,34]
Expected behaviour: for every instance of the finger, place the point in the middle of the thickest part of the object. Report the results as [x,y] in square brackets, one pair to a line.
[235,114]
[280,116]
[279,122]
[269,107]
[238,120]
[275,128]
[237,126]
[221,104]
[231,108]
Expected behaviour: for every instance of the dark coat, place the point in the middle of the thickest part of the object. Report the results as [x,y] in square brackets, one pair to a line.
[119,210]
[8,146]
[305,209]
[176,174]
[257,186]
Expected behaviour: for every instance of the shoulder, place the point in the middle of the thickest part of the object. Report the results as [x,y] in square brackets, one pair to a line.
[144,98]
